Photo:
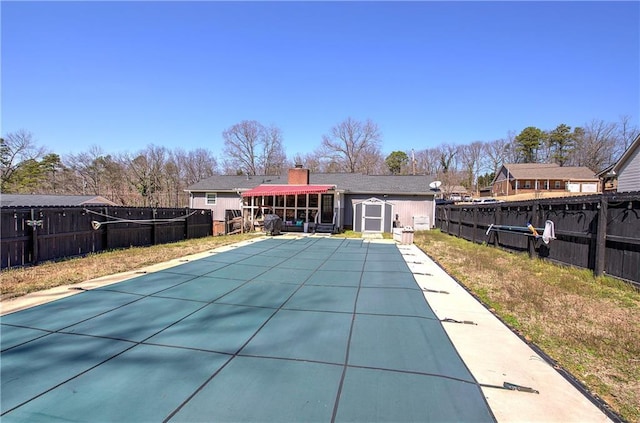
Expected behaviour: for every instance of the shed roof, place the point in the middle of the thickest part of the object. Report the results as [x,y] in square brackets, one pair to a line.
[41,200]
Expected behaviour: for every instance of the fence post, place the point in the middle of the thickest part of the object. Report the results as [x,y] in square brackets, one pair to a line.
[154,229]
[186,223]
[498,220]
[34,236]
[535,221]
[475,224]
[601,237]
[105,232]
[448,219]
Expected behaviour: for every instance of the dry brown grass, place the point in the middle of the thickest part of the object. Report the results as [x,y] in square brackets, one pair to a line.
[17,282]
[590,326]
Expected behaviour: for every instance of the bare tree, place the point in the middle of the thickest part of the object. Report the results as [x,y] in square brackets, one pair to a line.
[595,146]
[496,153]
[311,161]
[195,165]
[17,149]
[471,157]
[117,188]
[448,156]
[372,162]
[146,174]
[428,161]
[627,132]
[272,158]
[241,145]
[90,168]
[253,149]
[353,145]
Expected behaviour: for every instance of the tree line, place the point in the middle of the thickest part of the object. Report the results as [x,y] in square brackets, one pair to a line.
[157,176]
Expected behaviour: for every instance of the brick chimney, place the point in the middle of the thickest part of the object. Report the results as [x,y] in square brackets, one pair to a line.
[298,176]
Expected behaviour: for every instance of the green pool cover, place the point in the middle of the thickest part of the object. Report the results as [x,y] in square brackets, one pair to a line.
[279,330]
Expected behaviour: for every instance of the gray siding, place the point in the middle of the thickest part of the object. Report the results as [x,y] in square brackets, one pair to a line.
[225,201]
[629,175]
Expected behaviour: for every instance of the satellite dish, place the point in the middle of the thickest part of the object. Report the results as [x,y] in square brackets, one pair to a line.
[435,184]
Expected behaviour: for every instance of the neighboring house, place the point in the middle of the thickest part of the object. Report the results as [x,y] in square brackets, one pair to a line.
[608,179]
[44,200]
[523,178]
[627,168]
[455,192]
[330,201]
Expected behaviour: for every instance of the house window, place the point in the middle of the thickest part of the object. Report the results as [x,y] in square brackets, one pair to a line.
[546,184]
[557,185]
[291,200]
[211,198]
[527,184]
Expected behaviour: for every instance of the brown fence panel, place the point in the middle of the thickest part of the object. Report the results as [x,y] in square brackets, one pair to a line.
[598,232]
[199,224]
[622,257]
[65,232]
[513,215]
[15,239]
[466,223]
[484,217]
[120,229]
[31,235]
[576,227]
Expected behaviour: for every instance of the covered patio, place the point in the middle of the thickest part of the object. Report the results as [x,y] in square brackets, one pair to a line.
[302,208]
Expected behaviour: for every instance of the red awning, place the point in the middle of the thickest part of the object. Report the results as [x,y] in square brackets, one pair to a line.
[261,190]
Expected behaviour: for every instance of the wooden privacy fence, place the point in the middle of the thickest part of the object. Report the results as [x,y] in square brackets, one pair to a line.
[597,232]
[34,234]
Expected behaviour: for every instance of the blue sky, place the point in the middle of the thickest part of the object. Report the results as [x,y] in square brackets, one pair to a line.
[124,75]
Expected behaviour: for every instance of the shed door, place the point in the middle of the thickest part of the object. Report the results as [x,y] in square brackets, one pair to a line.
[372,217]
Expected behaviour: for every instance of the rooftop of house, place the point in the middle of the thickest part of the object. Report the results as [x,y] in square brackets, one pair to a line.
[347,182]
[549,171]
